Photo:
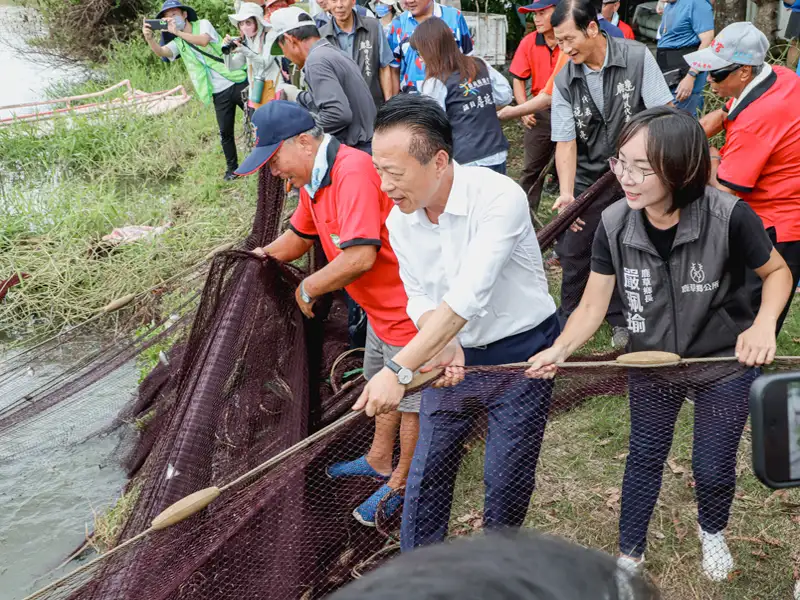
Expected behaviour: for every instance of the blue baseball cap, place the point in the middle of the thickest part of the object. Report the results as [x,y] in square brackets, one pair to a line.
[190,13]
[275,122]
[537,6]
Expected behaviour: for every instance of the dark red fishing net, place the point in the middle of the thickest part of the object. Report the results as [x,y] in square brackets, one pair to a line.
[253,384]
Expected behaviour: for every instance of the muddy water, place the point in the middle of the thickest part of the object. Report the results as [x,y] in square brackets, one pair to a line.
[58,469]
[24,76]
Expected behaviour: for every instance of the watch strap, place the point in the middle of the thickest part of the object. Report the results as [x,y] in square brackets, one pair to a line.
[303,294]
[393,366]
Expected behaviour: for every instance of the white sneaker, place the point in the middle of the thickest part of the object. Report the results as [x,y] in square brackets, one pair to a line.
[796,590]
[627,567]
[717,559]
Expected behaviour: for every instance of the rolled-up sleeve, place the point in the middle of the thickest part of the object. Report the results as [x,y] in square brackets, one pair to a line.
[501,225]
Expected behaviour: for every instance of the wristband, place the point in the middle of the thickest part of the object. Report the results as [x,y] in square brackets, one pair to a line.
[693,73]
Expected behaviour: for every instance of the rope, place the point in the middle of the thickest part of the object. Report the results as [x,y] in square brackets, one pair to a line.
[339,359]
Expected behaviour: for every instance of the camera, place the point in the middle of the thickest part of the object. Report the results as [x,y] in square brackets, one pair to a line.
[775,423]
[226,49]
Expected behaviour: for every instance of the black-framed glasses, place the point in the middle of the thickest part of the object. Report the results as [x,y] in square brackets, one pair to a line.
[635,173]
[719,75]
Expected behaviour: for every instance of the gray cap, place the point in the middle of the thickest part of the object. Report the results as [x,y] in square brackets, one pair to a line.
[739,43]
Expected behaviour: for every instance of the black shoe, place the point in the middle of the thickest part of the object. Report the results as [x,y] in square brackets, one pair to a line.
[230,176]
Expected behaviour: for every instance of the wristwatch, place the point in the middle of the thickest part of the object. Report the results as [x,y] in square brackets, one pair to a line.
[404,375]
[306,298]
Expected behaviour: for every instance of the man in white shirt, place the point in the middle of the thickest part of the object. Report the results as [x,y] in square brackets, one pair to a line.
[476,287]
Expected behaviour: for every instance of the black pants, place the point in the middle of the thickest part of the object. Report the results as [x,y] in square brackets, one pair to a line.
[574,251]
[225,103]
[720,413]
[539,149]
[790,251]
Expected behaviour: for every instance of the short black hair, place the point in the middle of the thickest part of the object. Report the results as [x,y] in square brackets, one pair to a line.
[425,118]
[583,12]
[677,150]
[306,32]
[500,566]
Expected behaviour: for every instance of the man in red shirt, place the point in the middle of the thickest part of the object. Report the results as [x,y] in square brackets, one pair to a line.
[610,12]
[534,61]
[342,205]
[760,161]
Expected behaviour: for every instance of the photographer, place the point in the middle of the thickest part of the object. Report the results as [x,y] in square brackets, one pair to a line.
[197,43]
[252,50]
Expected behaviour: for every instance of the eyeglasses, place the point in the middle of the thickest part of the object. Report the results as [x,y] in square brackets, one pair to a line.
[635,173]
[719,75]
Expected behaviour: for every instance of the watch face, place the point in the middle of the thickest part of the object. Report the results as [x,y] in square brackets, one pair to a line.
[405,376]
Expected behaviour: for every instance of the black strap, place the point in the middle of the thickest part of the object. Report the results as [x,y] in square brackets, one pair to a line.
[211,56]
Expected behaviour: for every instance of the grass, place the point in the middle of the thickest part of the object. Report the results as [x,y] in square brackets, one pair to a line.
[109,524]
[578,494]
[61,193]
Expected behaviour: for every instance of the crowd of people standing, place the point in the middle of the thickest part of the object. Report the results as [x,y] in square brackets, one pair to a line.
[393,137]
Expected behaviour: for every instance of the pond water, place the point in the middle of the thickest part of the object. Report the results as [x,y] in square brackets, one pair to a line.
[58,469]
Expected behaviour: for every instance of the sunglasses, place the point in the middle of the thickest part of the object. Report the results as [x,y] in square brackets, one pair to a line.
[719,75]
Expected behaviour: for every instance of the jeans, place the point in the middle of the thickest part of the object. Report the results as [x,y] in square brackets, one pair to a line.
[225,103]
[692,105]
[517,411]
[720,413]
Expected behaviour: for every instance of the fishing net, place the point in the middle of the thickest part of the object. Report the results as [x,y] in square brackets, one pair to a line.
[255,406]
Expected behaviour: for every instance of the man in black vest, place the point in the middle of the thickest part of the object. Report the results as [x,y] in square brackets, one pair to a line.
[336,94]
[362,39]
[605,83]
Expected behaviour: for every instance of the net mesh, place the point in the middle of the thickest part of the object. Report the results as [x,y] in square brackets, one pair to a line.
[255,384]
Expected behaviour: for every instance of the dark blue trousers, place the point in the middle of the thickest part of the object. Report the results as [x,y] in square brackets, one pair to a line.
[517,414]
[720,413]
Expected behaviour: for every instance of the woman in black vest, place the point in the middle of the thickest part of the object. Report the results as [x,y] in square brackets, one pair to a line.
[469,90]
[677,251]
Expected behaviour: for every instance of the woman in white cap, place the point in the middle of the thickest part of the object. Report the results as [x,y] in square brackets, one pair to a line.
[253,48]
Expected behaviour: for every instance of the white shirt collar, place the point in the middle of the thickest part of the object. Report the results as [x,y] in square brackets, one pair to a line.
[456,200]
[766,69]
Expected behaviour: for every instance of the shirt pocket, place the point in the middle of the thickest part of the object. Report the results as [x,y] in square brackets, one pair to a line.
[330,230]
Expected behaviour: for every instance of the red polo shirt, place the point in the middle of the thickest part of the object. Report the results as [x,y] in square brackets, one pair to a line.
[626,30]
[761,155]
[534,60]
[349,209]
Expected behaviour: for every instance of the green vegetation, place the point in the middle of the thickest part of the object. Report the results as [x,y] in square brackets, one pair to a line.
[109,524]
[62,192]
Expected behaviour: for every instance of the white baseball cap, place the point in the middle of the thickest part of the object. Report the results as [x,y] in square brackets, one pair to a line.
[287,19]
[739,43]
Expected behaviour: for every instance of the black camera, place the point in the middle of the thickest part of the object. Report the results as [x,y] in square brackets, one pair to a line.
[226,49]
[775,420]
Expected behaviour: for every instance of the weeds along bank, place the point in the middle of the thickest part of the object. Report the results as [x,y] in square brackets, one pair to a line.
[60,193]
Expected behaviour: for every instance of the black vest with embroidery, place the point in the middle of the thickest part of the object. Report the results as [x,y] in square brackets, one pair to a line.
[366,50]
[597,134]
[686,304]
[477,132]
